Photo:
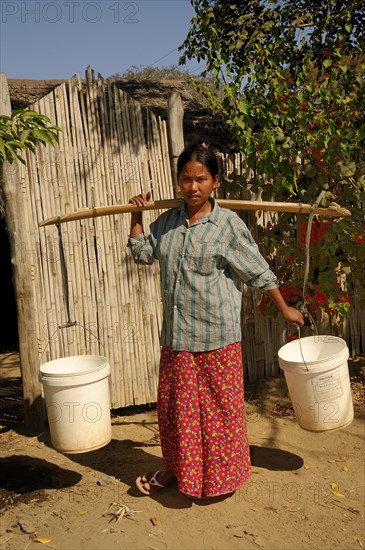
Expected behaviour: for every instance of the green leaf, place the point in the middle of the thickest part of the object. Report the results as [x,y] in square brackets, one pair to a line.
[327,63]
[348,170]
[240,122]
[24,136]
[42,135]
[13,143]
[11,153]
[243,107]
[35,115]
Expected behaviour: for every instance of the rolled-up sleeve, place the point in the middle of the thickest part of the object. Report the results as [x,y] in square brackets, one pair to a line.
[142,249]
[247,261]
[265,281]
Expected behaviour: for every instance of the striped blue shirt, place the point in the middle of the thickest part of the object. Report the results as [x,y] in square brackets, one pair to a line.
[202,267]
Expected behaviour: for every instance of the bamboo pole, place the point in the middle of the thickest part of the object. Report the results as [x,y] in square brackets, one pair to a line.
[125,182]
[267,206]
[142,330]
[146,280]
[42,176]
[78,157]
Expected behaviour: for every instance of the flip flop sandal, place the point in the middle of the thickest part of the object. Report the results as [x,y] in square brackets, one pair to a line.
[152,482]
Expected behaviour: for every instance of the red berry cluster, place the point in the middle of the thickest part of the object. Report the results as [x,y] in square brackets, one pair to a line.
[318,231]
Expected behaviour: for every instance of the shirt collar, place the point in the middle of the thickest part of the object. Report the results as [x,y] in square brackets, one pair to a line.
[212,217]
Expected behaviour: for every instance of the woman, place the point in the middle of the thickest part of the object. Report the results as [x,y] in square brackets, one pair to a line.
[205,253]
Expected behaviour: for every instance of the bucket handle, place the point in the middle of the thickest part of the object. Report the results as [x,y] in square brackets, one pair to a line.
[308,319]
[301,350]
[68,323]
[60,327]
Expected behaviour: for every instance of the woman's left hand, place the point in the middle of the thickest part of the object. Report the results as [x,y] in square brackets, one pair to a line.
[293,316]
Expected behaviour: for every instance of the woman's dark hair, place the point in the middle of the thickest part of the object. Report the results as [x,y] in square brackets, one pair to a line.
[200,153]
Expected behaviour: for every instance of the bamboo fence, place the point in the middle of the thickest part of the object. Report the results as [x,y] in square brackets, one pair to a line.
[103,157]
[106,154]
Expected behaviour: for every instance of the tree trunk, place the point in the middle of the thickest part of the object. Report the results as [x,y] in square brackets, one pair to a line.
[175,131]
[23,284]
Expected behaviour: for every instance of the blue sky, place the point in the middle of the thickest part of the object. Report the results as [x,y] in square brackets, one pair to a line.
[54,39]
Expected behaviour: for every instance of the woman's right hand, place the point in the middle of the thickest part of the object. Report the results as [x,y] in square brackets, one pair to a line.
[141,199]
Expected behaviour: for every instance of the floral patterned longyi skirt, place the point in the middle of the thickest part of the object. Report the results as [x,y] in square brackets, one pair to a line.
[202,420]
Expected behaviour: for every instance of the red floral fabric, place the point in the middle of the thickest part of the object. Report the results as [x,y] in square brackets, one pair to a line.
[202,421]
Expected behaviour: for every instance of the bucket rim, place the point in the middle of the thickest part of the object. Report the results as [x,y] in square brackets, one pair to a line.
[299,365]
[330,338]
[46,373]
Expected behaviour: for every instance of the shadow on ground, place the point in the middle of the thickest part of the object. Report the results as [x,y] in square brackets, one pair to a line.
[26,478]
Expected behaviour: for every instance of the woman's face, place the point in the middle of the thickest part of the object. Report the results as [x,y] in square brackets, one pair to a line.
[196,183]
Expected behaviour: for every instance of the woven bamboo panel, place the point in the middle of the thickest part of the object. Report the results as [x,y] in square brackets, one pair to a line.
[103,157]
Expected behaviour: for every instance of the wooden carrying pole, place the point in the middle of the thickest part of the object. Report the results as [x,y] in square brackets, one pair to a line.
[267,206]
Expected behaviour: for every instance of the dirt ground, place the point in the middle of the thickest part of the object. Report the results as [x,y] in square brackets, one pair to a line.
[306,490]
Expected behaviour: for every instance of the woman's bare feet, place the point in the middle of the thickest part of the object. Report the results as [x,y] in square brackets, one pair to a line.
[152,482]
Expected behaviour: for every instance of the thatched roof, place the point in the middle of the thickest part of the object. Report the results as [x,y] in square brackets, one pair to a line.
[151,94]
[199,122]
[26,92]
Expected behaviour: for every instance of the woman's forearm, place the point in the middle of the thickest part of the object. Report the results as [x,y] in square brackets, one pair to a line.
[136,224]
[290,314]
[278,299]
[136,220]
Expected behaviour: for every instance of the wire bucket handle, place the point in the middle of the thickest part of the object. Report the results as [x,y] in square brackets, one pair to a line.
[64,273]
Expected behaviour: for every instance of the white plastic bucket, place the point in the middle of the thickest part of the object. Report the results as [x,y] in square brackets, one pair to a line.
[317,376]
[77,398]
